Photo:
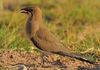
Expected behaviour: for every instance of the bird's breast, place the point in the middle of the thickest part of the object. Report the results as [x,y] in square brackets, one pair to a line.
[28,29]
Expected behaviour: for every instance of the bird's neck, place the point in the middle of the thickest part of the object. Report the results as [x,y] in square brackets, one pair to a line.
[33,24]
[29,25]
[30,17]
[37,14]
[38,17]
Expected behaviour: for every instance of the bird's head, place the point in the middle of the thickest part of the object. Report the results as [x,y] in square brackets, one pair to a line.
[27,10]
[34,10]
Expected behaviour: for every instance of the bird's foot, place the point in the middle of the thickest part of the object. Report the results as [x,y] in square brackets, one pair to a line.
[58,63]
[45,63]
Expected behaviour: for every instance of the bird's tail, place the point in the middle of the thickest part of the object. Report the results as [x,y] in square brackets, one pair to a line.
[72,55]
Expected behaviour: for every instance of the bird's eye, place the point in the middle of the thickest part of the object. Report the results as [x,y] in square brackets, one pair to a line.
[30,9]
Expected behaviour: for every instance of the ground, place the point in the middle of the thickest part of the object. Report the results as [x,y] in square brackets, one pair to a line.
[12,59]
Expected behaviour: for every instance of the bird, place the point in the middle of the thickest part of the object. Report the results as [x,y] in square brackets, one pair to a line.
[43,39]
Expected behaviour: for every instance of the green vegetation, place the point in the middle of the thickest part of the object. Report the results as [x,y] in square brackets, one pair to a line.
[75,22]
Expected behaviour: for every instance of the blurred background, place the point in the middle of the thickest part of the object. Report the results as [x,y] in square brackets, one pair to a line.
[75,22]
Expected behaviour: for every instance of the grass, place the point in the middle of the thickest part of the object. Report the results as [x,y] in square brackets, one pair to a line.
[75,22]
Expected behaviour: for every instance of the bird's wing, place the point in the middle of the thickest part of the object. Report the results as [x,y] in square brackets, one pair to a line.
[47,41]
[44,33]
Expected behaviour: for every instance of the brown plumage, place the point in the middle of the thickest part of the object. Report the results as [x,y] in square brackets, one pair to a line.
[41,37]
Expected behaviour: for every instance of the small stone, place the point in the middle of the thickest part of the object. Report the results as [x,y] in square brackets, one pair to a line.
[22,67]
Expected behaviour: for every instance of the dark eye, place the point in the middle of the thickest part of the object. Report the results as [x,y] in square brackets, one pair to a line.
[29,9]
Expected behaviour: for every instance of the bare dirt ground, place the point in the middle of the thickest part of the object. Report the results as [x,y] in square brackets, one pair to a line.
[13,60]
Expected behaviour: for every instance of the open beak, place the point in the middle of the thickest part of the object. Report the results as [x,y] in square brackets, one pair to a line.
[24,10]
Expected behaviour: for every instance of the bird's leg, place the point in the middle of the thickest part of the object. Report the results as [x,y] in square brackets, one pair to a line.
[44,54]
[42,59]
